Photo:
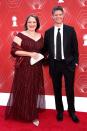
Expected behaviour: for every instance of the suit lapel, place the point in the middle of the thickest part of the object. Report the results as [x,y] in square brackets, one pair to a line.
[52,40]
[52,35]
[64,36]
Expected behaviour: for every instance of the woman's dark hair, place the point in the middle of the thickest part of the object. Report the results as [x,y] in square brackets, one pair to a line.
[37,20]
[56,8]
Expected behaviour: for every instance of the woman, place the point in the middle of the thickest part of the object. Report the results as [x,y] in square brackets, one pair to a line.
[28,79]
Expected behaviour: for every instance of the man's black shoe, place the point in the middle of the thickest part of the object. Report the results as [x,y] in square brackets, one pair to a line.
[60,116]
[74,117]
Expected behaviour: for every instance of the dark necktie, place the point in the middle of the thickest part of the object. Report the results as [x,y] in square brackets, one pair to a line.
[58,45]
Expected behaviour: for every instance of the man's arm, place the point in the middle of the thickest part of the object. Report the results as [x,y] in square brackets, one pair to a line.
[75,47]
[44,51]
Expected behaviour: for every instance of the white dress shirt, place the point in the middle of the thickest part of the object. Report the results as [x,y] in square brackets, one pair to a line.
[55,35]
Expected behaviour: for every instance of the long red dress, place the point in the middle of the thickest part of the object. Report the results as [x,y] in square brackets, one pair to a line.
[27,93]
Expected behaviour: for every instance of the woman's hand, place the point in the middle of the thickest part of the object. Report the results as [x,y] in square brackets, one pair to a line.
[34,55]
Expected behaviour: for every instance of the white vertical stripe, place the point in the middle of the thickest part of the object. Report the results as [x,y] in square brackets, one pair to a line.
[80,102]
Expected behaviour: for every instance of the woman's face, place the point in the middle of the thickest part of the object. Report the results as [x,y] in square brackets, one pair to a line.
[31,24]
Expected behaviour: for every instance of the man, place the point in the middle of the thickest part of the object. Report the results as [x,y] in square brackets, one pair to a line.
[60,42]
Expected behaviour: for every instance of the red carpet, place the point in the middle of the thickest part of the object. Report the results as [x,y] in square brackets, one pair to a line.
[48,122]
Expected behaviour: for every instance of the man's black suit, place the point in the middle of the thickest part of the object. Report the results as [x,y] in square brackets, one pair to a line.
[66,67]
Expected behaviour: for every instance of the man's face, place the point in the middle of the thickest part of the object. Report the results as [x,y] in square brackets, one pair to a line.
[58,17]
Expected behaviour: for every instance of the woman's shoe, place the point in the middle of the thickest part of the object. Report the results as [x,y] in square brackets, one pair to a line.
[36,122]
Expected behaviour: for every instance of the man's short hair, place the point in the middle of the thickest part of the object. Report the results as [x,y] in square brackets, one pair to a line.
[57,8]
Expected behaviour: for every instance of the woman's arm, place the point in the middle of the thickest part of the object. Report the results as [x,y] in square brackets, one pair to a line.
[26,53]
[16,49]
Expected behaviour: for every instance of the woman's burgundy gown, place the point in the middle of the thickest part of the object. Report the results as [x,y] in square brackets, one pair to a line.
[27,93]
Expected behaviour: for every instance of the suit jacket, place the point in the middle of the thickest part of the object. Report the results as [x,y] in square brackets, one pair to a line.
[70,44]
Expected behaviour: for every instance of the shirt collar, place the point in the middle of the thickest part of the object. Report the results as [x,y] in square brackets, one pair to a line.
[61,27]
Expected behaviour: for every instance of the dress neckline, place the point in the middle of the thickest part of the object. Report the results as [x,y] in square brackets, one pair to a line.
[30,37]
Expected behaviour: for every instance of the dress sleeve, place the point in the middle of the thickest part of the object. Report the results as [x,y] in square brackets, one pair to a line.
[16,45]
